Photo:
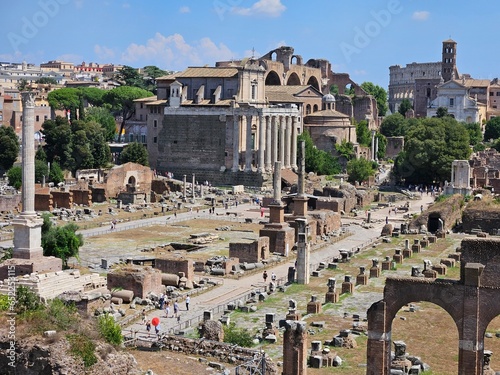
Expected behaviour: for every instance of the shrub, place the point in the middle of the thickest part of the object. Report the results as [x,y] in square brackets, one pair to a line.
[55,316]
[4,302]
[26,300]
[110,330]
[237,336]
[82,347]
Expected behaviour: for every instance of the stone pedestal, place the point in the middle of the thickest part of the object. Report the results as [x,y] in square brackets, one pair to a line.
[375,269]
[448,262]
[332,297]
[432,239]
[416,246]
[362,279]
[347,285]
[441,269]
[294,348]
[407,253]
[313,306]
[441,235]
[398,257]
[386,263]
[424,243]
[293,315]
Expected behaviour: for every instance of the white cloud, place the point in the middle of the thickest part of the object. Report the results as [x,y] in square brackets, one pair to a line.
[184,9]
[420,15]
[174,53]
[104,53]
[271,8]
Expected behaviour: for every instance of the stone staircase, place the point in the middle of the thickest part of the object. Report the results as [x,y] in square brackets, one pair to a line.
[49,285]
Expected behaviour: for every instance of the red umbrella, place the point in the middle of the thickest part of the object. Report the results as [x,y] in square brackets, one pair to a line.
[155,321]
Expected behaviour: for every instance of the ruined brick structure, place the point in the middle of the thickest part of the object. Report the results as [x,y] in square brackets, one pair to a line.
[175,266]
[140,280]
[472,302]
[250,252]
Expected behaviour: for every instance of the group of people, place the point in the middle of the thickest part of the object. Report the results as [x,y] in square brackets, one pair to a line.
[273,276]
[164,305]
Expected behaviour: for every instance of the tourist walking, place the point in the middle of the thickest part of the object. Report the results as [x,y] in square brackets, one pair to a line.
[148,326]
[176,308]
[273,277]
[264,276]
[167,309]
[188,299]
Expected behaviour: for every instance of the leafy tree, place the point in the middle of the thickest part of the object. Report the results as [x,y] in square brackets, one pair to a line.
[22,85]
[40,154]
[363,134]
[110,330]
[26,300]
[479,147]
[393,125]
[56,174]
[380,96]
[136,153]
[475,133]
[103,117]
[9,144]
[496,145]
[121,99]
[345,149]
[360,170]
[382,145]
[318,161]
[129,76]
[151,73]
[430,147]
[442,112]
[492,129]
[41,169]
[92,95]
[61,242]
[15,176]
[47,81]
[66,98]
[404,107]
[334,89]
[58,145]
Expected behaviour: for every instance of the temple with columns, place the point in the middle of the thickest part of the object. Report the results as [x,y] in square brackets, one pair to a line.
[229,124]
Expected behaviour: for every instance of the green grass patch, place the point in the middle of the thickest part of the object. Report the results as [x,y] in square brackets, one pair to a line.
[82,347]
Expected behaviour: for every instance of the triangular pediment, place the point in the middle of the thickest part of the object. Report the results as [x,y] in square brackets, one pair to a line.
[452,85]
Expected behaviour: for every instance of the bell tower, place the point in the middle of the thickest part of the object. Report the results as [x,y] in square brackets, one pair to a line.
[449,60]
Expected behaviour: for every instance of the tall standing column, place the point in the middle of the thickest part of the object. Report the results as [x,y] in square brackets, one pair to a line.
[248,150]
[236,143]
[288,141]
[376,149]
[294,143]
[184,183]
[193,185]
[373,145]
[262,144]
[268,144]
[282,142]
[28,226]
[275,139]
[28,153]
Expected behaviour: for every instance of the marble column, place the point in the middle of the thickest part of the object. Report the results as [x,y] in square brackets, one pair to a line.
[288,141]
[282,143]
[262,144]
[275,125]
[28,153]
[269,137]
[193,185]
[236,143]
[28,226]
[248,149]
[294,142]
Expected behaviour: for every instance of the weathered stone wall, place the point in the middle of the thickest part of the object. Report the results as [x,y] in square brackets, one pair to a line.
[488,220]
[175,266]
[118,177]
[98,194]
[82,197]
[140,280]
[333,204]
[43,201]
[10,203]
[450,211]
[252,252]
[62,199]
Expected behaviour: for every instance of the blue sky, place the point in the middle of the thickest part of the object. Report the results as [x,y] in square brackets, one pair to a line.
[359,37]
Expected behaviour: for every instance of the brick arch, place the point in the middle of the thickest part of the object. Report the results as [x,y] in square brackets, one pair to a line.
[273,79]
[293,80]
[313,82]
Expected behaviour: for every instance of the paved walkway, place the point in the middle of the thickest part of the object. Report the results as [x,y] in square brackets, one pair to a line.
[218,297]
